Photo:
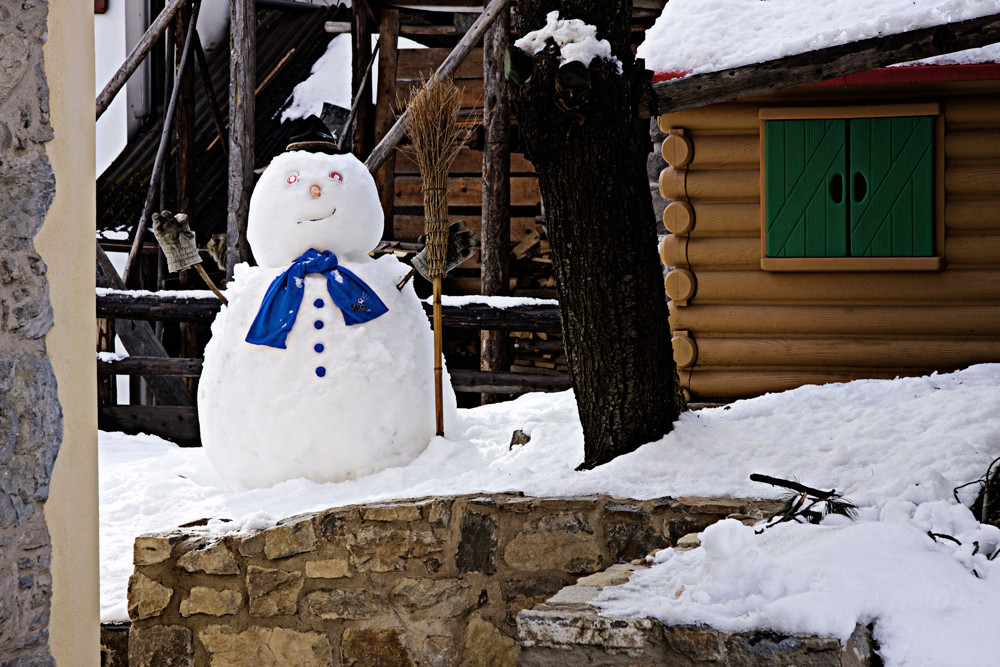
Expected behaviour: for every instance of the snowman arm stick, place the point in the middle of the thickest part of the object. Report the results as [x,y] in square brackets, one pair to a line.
[211,285]
[447,68]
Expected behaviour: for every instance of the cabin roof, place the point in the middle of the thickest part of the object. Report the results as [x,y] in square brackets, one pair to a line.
[699,36]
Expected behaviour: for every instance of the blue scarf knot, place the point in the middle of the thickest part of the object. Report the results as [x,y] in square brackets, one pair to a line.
[356,300]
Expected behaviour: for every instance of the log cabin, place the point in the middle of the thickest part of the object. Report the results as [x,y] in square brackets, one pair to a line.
[835,231]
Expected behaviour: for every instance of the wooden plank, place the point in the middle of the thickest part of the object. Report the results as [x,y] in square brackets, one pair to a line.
[467,191]
[971,112]
[157,308]
[972,215]
[856,319]
[978,181]
[412,226]
[969,145]
[506,383]
[471,91]
[177,424]
[711,253]
[150,366]
[363,129]
[725,151]
[415,64]
[822,64]
[713,219]
[468,161]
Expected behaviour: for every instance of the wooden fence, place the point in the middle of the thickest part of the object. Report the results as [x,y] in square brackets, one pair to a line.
[180,424]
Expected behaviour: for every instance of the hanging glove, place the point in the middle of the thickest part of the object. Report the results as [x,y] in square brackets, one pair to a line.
[462,244]
[177,240]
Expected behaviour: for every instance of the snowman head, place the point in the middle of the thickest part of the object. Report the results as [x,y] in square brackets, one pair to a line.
[309,200]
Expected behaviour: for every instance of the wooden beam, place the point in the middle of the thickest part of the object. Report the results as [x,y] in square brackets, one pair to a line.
[385,116]
[495,349]
[799,69]
[146,42]
[543,318]
[179,424]
[458,54]
[147,366]
[506,383]
[139,340]
[242,106]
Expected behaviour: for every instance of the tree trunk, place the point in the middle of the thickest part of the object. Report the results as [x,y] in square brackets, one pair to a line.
[589,147]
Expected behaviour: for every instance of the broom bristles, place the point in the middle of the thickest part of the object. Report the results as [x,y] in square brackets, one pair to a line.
[436,138]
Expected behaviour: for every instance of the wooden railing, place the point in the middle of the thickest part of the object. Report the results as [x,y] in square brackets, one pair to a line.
[180,424]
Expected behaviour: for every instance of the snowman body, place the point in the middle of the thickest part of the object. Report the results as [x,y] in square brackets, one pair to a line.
[337,401]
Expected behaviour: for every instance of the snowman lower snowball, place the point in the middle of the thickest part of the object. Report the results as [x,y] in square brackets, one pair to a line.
[319,367]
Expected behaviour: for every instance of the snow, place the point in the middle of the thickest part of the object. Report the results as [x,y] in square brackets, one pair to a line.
[696,36]
[896,448]
[577,41]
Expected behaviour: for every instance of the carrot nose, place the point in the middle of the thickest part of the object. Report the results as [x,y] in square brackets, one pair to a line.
[315,190]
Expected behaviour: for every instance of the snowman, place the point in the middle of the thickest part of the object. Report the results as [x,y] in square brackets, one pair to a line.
[319,367]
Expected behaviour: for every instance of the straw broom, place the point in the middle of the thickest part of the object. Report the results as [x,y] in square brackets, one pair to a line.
[436,139]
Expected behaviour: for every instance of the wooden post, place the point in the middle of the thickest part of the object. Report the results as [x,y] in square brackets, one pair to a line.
[184,126]
[242,79]
[495,352]
[361,87]
[388,56]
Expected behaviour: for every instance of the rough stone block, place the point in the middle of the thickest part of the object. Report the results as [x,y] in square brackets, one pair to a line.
[377,549]
[151,549]
[146,598]
[572,552]
[373,648]
[478,545]
[211,602]
[439,513]
[286,540]
[265,647]
[486,646]
[615,575]
[160,646]
[345,603]
[696,643]
[332,568]
[433,598]
[392,512]
[210,558]
[273,592]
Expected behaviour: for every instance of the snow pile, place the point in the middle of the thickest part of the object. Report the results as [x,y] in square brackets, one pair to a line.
[895,448]
[696,36]
[577,41]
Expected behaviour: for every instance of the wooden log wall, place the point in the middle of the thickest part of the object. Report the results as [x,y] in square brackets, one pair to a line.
[741,331]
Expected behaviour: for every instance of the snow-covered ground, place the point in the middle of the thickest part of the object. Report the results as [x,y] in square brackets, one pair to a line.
[895,448]
[696,36]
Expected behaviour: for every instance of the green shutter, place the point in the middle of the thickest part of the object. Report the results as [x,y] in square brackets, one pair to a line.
[892,187]
[805,194]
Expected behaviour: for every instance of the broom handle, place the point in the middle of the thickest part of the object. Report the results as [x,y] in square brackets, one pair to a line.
[438,379]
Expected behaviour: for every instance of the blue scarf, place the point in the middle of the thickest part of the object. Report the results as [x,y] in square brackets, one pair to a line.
[356,300]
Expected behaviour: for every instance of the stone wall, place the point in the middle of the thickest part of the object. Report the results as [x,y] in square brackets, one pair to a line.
[437,581]
[30,418]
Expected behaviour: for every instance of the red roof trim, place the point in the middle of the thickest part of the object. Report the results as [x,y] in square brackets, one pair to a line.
[902,74]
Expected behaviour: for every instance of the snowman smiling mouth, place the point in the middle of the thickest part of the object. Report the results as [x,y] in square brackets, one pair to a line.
[325,217]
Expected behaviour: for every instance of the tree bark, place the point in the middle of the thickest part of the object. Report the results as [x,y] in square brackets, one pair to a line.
[589,148]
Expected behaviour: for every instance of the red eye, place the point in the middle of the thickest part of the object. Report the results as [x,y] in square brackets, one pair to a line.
[292,177]
[335,175]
